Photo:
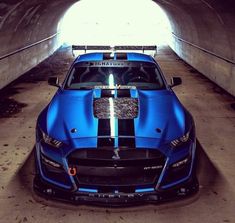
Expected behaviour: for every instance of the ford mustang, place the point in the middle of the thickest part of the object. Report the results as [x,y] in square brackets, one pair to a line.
[115,134]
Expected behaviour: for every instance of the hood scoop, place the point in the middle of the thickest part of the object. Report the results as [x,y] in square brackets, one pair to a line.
[121,108]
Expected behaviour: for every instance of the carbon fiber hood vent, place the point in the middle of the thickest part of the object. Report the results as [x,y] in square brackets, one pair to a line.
[121,108]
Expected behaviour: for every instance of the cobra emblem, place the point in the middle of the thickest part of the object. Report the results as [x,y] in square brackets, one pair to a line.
[116,154]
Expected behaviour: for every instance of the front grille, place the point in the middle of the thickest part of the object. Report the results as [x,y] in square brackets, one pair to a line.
[125,168]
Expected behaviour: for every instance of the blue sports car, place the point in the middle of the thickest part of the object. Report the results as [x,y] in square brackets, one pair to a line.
[115,134]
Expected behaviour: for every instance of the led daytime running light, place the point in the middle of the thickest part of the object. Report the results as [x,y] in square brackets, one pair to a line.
[180,140]
[50,141]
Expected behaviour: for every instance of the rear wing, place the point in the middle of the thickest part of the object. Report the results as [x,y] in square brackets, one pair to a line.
[114,48]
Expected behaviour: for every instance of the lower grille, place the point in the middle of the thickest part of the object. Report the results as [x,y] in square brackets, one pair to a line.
[126,167]
[56,174]
[175,174]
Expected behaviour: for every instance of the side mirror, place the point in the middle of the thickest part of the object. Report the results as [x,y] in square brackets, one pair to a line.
[54,81]
[175,81]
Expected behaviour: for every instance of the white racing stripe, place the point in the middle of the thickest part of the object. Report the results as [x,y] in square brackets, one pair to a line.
[112,118]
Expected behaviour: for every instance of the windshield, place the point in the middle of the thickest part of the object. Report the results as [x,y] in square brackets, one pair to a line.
[114,74]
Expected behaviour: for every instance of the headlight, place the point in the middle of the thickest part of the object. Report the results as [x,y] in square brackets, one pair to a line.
[181,140]
[50,141]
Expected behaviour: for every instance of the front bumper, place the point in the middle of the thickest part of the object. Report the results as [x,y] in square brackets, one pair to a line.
[115,199]
[169,185]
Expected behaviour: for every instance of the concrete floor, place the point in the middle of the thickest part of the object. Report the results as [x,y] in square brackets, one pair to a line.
[215,124]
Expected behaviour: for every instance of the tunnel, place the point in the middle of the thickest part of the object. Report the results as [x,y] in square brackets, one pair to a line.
[201,51]
[202,31]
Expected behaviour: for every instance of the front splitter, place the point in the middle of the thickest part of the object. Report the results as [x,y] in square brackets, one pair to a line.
[115,200]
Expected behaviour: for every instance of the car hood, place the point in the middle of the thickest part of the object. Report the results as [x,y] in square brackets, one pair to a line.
[70,115]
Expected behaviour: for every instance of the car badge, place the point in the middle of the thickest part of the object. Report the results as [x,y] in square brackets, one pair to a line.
[116,154]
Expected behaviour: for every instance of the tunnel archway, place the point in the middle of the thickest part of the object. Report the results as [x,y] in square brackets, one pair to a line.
[114,23]
[203,33]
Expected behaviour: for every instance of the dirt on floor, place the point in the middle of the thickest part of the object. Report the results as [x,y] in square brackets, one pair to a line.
[56,65]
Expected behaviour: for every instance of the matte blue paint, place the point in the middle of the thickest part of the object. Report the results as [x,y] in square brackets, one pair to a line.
[74,109]
[139,57]
[90,57]
[99,57]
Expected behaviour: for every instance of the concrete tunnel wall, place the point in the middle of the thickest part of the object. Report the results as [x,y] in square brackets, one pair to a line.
[204,31]
[28,34]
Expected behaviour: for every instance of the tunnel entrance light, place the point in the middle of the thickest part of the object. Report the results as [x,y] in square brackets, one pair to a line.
[111,22]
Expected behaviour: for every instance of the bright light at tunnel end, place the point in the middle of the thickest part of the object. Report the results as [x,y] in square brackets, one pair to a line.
[111,22]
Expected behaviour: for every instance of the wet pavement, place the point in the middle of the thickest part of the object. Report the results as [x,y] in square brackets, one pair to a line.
[212,108]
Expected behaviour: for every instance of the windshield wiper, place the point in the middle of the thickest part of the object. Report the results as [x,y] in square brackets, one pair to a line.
[80,88]
[115,87]
[86,88]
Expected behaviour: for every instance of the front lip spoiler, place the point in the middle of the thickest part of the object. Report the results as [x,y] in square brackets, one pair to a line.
[115,200]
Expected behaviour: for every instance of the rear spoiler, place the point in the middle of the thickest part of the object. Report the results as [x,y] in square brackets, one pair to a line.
[114,48]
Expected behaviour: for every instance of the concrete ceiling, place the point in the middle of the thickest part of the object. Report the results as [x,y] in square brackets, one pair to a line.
[204,33]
